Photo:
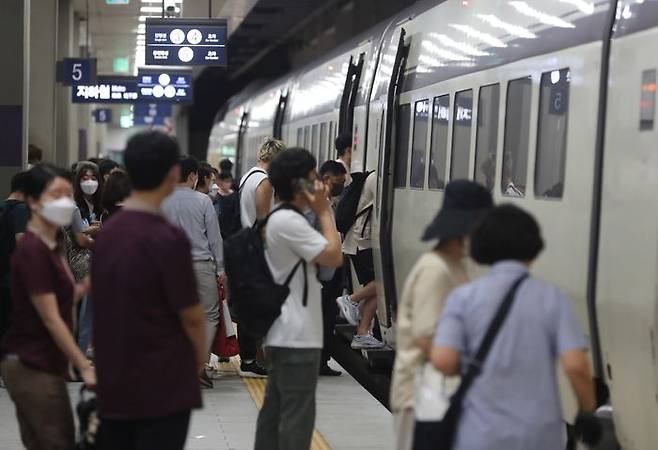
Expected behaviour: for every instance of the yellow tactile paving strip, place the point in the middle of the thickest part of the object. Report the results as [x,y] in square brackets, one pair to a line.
[256,388]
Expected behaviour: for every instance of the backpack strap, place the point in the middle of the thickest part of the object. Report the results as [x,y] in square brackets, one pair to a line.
[249,176]
[302,263]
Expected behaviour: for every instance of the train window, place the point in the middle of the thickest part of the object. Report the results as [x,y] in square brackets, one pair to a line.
[648,100]
[461,134]
[402,146]
[323,143]
[300,138]
[439,142]
[486,142]
[307,137]
[517,135]
[419,144]
[314,141]
[552,133]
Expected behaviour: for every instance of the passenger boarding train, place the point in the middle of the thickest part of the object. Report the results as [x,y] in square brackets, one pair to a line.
[549,103]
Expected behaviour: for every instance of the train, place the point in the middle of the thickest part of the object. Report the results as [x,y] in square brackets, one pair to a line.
[550,104]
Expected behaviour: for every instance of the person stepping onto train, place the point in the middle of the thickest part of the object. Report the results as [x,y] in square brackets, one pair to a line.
[513,402]
[435,274]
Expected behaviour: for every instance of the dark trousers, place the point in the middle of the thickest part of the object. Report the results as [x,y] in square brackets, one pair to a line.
[330,291]
[287,418]
[161,433]
[248,344]
[5,311]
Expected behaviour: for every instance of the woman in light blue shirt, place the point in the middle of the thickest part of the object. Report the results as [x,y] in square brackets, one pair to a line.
[514,403]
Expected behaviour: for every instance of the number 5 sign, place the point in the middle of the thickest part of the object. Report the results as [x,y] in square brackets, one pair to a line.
[78,71]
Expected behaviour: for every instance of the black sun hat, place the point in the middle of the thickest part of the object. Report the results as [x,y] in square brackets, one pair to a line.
[464,203]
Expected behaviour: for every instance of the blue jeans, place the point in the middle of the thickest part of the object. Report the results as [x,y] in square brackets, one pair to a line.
[85,324]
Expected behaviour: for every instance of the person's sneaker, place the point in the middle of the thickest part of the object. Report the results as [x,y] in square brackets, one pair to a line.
[253,369]
[348,309]
[224,360]
[327,371]
[365,341]
[205,381]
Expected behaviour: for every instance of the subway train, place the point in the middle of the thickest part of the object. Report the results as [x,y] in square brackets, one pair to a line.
[550,104]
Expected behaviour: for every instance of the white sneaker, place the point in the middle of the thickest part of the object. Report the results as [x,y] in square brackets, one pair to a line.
[348,309]
[365,341]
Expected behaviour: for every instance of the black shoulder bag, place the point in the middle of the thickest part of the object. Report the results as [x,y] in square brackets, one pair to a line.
[441,435]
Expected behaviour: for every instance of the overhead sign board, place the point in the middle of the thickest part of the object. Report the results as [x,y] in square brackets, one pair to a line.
[152,109]
[164,86]
[107,90]
[186,42]
[103,115]
[76,71]
[149,120]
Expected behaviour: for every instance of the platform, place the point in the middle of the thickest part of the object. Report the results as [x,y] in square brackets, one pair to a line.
[348,417]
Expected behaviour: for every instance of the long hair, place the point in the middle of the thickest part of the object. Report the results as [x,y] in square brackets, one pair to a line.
[79,196]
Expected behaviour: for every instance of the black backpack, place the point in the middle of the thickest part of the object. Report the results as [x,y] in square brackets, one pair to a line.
[256,298]
[7,239]
[228,213]
[346,211]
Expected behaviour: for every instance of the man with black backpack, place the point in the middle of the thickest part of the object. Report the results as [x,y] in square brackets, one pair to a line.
[293,343]
[13,221]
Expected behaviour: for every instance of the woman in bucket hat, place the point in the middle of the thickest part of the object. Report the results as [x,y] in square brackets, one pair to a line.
[432,278]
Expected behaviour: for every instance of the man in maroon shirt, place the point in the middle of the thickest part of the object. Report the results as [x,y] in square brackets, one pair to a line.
[147,315]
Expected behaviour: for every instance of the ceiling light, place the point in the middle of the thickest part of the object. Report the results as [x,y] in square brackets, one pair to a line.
[155,9]
[515,30]
[548,19]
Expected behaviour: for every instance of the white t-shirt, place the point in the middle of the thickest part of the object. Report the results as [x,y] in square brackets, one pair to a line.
[359,236]
[248,195]
[288,238]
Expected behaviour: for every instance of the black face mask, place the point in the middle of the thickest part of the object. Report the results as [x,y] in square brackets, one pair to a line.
[336,190]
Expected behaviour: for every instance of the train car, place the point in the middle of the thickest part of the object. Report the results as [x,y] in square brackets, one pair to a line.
[551,105]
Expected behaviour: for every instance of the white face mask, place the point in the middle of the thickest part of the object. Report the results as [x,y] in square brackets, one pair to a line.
[214,189]
[58,212]
[89,187]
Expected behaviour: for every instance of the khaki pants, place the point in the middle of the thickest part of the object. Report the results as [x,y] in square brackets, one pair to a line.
[404,422]
[206,280]
[43,408]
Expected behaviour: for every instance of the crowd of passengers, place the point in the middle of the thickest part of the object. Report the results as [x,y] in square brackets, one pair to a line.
[110,274]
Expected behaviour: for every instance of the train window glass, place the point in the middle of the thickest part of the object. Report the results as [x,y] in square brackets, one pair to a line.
[517,135]
[486,142]
[648,100]
[419,144]
[402,146]
[323,143]
[330,144]
[461,134]
[300,138]
[552,133]
[439,142]
[314,141]
[307,137]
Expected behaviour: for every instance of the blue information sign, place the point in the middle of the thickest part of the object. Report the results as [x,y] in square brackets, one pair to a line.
[149,120]
[103,115]
[152,109]
[78,71]
[186,42]
[164,86]
[107,90]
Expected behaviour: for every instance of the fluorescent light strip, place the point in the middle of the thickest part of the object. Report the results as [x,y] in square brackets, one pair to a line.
[515,30]
[461,46]
[443,53]
[477,34]
[548,19]
[582,5]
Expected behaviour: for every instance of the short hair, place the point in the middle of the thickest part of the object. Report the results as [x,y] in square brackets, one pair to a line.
[39,177]
[223,176]
[333,168]
[225,165]
[18,182]
[343,142]
[34,154]
[105,166]
[149,157]
[269,149]
[289,166]
[116,189]
[188,165]
[506,233]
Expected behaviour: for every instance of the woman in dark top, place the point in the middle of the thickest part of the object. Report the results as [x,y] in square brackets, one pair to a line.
[115,190]
[39,344]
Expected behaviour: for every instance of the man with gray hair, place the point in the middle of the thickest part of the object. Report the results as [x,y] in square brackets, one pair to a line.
[256,197]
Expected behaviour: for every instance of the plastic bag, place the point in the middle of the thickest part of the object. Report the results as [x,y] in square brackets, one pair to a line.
[225,344]
[433,392]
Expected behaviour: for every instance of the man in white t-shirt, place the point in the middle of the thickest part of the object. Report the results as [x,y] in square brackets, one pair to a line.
[293,344]
[256,197]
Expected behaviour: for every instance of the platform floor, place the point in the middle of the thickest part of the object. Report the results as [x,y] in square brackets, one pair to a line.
[348,417]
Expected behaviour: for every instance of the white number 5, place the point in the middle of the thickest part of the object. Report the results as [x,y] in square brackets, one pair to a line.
[77,72]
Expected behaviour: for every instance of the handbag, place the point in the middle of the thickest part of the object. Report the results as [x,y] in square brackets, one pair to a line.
[440,434]
[79,258]
[88,420]
[225,343]
[433,392]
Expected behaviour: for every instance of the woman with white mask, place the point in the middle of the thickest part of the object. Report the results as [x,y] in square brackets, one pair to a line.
[39,344]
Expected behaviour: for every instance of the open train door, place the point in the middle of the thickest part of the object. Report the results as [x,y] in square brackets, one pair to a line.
[381,143]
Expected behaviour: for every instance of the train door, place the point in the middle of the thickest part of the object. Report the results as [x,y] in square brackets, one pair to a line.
[240,158]
[383,112]
[277,131]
